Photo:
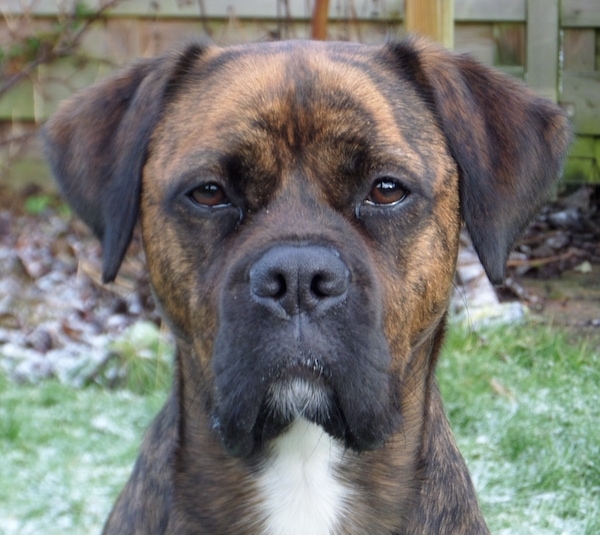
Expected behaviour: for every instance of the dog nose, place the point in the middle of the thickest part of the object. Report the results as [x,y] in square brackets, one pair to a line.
[290,280]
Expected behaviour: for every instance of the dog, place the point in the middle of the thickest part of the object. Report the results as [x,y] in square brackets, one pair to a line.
[300,207]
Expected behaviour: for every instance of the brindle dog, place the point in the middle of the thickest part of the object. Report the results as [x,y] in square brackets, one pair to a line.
[300,206]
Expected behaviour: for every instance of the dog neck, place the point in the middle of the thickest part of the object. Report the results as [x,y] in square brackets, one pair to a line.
[299,484]
[304,482]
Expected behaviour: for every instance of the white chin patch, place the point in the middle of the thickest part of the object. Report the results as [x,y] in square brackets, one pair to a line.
[298,398]
[300,491]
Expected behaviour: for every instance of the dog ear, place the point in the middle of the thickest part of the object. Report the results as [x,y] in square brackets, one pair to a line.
[96,144]
[509,144]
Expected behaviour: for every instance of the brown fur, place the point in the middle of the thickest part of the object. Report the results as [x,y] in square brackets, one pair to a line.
[297,133]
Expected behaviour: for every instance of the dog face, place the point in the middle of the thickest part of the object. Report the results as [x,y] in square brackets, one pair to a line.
[292,220]
[300,207]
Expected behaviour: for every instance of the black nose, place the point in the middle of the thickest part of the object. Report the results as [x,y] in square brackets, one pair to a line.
[290,280]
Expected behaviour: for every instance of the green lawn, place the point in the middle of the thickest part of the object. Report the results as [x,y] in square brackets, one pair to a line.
[524,403]
[65,454]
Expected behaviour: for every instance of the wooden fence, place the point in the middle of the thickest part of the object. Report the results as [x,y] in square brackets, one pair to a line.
[553,44]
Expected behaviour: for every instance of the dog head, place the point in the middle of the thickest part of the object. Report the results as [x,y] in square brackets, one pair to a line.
[300,206]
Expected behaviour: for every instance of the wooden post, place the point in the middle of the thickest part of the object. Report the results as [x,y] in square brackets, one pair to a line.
[319,20]
[542,46]
[433,18]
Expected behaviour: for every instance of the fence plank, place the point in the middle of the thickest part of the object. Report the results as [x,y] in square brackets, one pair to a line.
[434,18]
[465,10]
[579,49]
[580,13]
[35,99]
[252,9]
[476,40]
[542,46]
[490,10]
[510,44]
[581,89]
[18,104]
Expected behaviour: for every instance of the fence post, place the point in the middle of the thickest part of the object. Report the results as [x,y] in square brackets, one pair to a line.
[433,18]
[543,39]
[319,20]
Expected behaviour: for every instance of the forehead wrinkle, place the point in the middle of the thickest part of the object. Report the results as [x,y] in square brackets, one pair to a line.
[222,108]
[332,99]
[259,81]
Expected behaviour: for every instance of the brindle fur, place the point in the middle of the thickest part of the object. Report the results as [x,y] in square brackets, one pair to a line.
[297,132]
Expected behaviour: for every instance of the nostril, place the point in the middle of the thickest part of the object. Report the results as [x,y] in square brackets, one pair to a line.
[279,286]
[330,283]
[317,287]
[268,283]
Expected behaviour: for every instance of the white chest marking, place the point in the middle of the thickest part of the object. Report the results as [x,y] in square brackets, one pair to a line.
[300,492]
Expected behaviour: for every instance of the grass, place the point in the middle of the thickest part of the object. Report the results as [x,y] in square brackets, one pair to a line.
[65,454]
[524,403]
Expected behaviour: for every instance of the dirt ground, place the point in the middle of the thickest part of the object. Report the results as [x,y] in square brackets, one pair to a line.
[571,298]
[555,268]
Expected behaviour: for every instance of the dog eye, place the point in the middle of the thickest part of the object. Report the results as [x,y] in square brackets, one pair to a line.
[209,194]
[387,191]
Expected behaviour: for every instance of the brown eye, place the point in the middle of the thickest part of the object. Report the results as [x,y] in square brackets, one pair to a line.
[387,191]
[209,194]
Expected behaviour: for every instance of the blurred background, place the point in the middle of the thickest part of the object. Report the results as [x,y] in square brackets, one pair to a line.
[49,48]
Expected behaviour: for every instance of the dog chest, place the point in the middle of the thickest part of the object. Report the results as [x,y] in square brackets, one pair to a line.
[300,491]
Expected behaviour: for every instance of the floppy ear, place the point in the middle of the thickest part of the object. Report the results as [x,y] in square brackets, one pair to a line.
[96,144]
[508,143]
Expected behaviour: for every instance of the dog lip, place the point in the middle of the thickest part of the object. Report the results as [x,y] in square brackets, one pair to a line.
[309,367]
[300,389]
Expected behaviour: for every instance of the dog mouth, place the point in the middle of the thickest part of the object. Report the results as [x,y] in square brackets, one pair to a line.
[297,398]
[308,391]
[302,390]
[299,391]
